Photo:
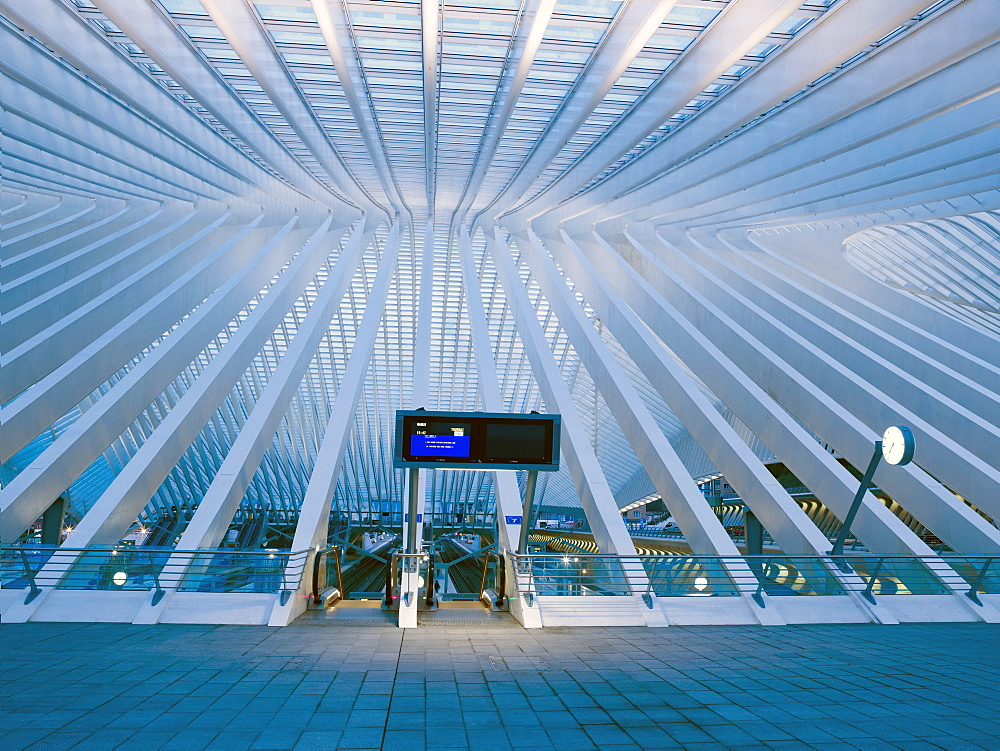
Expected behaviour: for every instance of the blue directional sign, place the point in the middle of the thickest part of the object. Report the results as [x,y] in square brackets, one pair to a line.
[514,519]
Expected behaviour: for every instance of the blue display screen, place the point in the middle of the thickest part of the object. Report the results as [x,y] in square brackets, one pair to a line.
[443,446]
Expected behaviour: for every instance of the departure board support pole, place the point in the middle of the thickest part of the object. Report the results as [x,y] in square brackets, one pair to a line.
[529,497]
[411,510]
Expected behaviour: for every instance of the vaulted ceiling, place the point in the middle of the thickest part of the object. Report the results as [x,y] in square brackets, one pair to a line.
[155,145]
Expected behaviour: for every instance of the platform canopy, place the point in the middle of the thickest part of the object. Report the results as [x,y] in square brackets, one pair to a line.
[713,235]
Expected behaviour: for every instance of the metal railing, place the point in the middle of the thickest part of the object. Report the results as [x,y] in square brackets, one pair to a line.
[130,568]
[773,575]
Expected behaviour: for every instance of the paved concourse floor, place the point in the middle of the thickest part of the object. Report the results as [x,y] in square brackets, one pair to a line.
[327,685]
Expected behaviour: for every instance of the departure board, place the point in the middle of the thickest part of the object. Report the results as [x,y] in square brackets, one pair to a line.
[476,440]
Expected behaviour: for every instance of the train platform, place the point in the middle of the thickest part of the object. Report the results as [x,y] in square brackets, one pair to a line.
[486,684]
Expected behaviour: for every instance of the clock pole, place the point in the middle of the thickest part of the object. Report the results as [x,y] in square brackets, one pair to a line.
[866,481]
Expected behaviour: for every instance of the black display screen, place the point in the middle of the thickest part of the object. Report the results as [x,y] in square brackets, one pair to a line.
[476,440]
[516,440]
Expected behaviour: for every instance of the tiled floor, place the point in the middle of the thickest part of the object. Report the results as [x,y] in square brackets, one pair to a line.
[104,686]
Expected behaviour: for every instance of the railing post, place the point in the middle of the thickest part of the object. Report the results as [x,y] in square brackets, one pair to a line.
[971,594]
[867,594]
[482,581]
[35,591]
[285,591]
[159,593]
[648,596]
[762,577]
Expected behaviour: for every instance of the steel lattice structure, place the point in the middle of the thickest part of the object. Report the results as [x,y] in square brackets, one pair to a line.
[711,234]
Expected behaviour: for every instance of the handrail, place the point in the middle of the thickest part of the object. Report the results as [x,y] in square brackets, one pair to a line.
[316,569]
[390,579]
[501,577]
[340,575]
[865,575]
[429,598]
[138,568]
[486,571]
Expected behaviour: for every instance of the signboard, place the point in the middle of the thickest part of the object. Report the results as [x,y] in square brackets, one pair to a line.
[514,519]
[476,440]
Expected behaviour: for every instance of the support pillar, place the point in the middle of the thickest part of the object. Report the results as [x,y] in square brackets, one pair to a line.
[527,512]
[409,579]
[52,521]
[754,533]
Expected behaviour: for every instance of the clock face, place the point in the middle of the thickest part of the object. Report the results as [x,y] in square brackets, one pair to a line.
[897,445]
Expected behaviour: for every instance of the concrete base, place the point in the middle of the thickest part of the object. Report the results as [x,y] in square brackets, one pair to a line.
[525,614]
[927,609]
[698,611]
[231,608]
[108,606]
[818,609]
[558,610]
[91,606]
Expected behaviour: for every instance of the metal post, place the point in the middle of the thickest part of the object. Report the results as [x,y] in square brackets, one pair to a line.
[30,573]
[765,569]
[158,595]
[872,578]
[973,593]
[486,568]
[411,524]
[526,512]
[866,481]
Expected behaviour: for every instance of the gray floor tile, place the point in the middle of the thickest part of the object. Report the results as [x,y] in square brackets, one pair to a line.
[201,687]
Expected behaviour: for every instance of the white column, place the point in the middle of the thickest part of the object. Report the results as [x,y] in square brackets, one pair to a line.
[210,521]
[89,320]
[420,397]
[960,526]
[119,505]
[702,529]
[881,530]
[782,517]
[578,454]
[505,487]
[700,525]
[24,498]
[845,379]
